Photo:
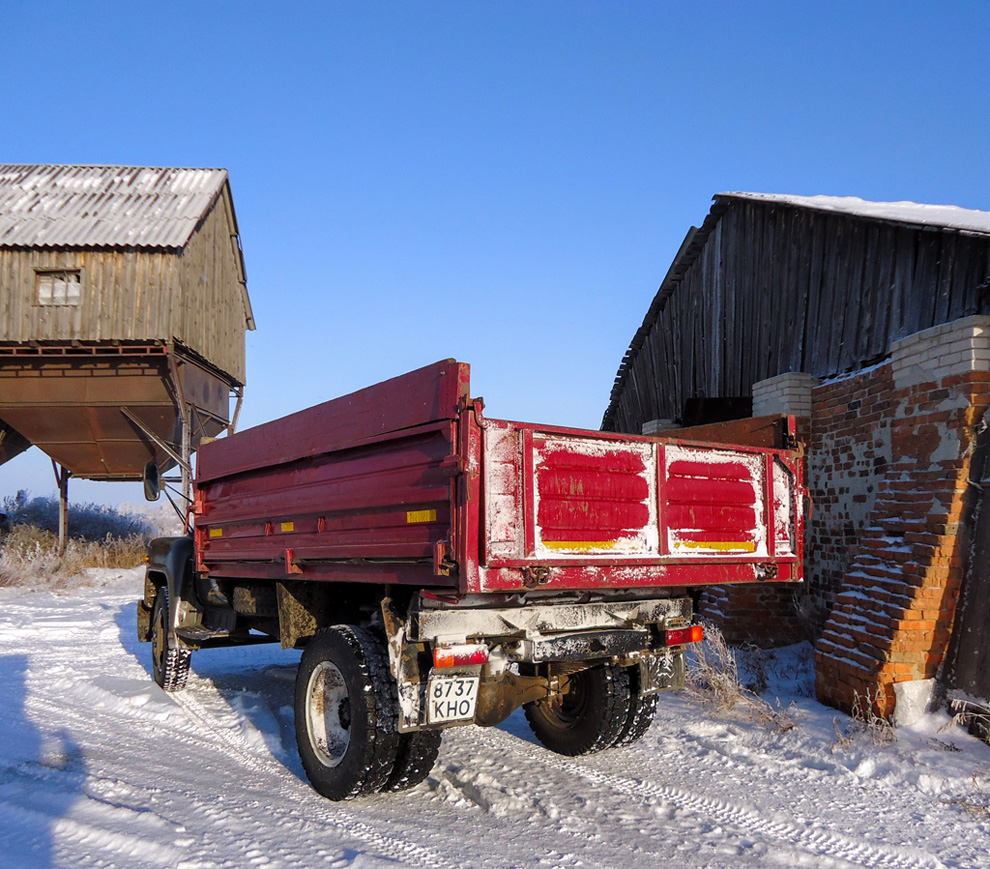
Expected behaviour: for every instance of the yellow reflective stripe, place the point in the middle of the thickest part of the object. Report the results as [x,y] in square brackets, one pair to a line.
[580,545]
[421,516]
[288,526]
[716,546]
[216,532]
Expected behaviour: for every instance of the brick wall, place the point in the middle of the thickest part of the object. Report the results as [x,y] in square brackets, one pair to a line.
[848,457]
[764,615]
[888,548]
[885,550]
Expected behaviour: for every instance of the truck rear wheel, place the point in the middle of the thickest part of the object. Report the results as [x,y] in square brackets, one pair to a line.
[417,755]
[169,667]
[642,711]
[346,713]
[590,717]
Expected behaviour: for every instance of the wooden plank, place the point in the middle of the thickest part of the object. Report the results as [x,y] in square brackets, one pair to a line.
[946,265]
[905,257]
[877,341]
[966,277]
[920,304]
[809,348]
[795,291]
[850,295]
[754,431]
[713,288]
[831,280]
[870,299]
[730,266]
[754,274]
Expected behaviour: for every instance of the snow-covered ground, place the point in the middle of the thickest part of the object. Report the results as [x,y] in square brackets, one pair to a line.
[99,768]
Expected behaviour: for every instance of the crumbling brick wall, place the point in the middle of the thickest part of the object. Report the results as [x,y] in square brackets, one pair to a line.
[889,453]
[893,614]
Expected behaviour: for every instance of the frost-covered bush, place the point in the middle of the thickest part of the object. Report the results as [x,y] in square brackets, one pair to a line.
[99,537]
[86,521]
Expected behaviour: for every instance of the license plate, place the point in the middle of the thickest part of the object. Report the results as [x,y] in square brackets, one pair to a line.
[451,698]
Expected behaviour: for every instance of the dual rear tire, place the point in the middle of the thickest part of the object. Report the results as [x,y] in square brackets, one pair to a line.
[604,708]
[346,718]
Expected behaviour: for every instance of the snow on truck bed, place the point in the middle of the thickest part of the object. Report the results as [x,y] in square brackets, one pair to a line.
[100,768]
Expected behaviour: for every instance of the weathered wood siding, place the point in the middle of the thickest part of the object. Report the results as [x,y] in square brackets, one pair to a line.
[767,289]
[194,295]
[124,295]
[211,317]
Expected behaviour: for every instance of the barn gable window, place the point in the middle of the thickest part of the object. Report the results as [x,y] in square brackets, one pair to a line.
[59,288]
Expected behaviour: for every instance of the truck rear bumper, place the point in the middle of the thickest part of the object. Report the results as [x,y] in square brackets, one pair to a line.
[546,639]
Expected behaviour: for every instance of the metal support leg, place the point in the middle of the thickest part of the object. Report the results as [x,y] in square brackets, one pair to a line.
[186,464]
[62,479]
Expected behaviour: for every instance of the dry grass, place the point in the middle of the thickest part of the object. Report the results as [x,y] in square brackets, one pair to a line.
[29,556]
[865,720]
[975,717]
[977,803]
[713,678]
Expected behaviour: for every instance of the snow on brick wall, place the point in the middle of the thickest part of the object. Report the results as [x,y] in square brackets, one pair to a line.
[848,456]
[903,550]
[886,544]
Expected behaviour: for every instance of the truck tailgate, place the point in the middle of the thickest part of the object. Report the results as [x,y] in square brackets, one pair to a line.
[655,512]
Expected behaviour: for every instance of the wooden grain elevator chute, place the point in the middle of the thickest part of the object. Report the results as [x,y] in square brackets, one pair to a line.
[123,308]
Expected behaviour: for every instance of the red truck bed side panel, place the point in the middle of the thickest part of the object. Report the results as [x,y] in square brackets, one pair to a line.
[406,482]
[356,489]
[426,395]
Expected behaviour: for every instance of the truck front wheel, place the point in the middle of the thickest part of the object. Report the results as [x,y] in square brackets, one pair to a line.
[346,713]
[169,666]
[590,717]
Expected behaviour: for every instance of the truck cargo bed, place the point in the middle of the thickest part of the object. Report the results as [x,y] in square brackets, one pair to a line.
[407,482]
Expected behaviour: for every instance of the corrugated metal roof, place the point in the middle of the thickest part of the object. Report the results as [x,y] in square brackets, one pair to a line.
[104,206]
[914,213]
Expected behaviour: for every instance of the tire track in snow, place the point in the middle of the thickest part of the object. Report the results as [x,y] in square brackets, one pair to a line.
[400,850]
[817,842]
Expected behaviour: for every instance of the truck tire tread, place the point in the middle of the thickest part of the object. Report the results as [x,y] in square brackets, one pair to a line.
[418,752]
[588,720]
[369,758]
[170,666]
[642,711]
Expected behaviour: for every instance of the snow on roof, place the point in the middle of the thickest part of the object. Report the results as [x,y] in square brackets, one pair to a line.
[948,216]
[104,206]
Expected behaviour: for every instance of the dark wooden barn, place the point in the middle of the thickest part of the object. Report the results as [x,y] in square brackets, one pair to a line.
[871,321]
[774,284]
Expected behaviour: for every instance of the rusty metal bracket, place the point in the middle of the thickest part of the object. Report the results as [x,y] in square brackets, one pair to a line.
[766,571]
[534,576]
[291,565]
[443,565]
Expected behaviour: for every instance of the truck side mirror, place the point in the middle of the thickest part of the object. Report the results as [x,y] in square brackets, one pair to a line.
[152,479]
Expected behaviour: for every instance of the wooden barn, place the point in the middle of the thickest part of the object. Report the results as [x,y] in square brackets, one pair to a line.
[123,310]
[871,322]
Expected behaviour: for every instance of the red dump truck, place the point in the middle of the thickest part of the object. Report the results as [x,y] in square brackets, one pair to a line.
[440,568]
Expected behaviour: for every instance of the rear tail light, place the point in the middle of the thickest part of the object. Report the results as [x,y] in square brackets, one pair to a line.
[460,656]
[682,636]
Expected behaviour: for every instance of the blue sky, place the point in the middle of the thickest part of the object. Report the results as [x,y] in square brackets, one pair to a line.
[504,183]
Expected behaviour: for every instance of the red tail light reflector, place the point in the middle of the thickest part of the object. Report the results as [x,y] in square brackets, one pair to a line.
[682,636]
[460,656]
